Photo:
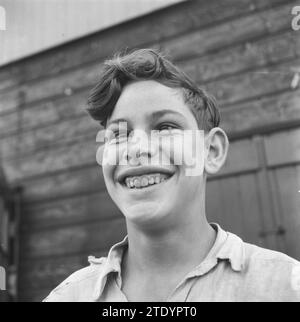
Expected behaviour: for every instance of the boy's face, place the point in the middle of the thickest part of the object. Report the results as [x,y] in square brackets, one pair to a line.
[144,181]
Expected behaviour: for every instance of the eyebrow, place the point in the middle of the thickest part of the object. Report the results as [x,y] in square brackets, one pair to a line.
[158,114]
[116,121]
[154,116]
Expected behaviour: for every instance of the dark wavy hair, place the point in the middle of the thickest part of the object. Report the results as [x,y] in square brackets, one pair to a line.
[148,64]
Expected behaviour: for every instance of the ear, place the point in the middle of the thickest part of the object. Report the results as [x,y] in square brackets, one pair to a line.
[216,145]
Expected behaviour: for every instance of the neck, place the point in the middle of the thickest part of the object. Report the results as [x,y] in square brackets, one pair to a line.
[183,247]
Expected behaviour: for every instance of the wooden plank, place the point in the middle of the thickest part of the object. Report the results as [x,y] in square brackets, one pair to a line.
[253,84]
[64,184]
[248,55]
[76,154]
[154,27]
[242,157]
[233,203]
[10,100]
[43,113]
[269,223]
[234,31]
[86,76]
[231,207]
[277,211]
[213,201]
[58,86]
[66,131]
[4,231]
[69,211]
[288,179]
[250,211]
[72,240]
[10,76]
[48,273]
[283,148]
[278,110]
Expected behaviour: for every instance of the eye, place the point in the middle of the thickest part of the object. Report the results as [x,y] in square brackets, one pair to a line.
[118,136]
[168,128]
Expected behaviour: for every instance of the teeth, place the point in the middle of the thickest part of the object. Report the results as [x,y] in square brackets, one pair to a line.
[151,180]
[129,182]
[145,180]
[137,183]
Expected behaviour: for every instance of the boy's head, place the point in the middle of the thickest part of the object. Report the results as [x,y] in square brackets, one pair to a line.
[151,111]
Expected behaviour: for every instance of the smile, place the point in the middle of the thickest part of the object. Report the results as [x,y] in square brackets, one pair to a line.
[144,181]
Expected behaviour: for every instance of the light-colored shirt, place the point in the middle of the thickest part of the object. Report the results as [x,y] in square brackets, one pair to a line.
[232,271]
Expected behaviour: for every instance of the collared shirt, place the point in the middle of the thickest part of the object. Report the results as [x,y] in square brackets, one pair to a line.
[232,271]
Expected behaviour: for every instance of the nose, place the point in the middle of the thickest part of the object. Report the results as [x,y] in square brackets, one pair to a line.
[139,147]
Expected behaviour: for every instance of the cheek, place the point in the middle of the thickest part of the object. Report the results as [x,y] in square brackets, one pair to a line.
[194,153]
[186,151]
[108,175]
[171,150]
[114,154]
[110,159]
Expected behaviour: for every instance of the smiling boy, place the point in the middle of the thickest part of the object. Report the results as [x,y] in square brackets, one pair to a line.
[171,252]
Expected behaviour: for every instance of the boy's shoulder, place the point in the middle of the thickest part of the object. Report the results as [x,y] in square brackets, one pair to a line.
[257,255]
[80,285]
[273,271]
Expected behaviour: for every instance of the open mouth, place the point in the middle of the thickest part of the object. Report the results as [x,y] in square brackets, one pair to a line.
[145,181]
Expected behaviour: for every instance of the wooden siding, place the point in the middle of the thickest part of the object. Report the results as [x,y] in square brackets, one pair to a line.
[243,51]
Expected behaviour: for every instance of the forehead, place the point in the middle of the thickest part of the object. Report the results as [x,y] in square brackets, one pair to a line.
[143,98]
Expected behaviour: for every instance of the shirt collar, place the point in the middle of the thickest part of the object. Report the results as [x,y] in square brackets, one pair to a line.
[227,246]
[111,264]
[233,250]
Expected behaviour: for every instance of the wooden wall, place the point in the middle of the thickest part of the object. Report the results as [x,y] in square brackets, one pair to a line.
[243,51]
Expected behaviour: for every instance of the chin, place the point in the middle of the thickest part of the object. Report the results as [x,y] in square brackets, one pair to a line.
[144,213]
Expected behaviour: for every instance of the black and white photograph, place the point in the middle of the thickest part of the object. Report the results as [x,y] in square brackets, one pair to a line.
[149,152]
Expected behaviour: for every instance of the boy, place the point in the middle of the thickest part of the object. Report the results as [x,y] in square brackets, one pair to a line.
[171,252]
